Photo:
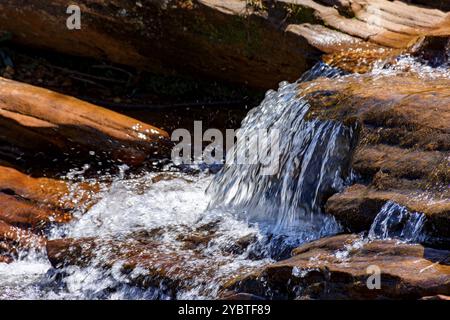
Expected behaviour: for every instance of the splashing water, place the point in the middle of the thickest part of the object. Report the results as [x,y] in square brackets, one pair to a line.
[313,164]
[395,221]
[211,246]
[243,221]
[210,242]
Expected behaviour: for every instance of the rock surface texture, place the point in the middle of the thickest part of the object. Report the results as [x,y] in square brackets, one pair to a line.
[259,43]
[61,126]
[403,151]
[146,261]
[30,205]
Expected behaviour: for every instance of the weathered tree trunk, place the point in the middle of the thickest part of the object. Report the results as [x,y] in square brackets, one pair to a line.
[258,43]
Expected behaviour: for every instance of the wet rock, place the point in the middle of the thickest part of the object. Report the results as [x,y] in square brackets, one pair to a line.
[143,263]
[50,193]
[357,207]
[13,239]
[195,240]
[60,126]
[403,149]
[240,296]
[232,40]
[5,259]
[433,49]
[30,205]
[337,268]
[25,213]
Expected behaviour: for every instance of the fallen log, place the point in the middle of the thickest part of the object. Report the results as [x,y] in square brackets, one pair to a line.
[41,121]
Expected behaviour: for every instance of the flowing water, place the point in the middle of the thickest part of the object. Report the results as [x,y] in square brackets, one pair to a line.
[213,226]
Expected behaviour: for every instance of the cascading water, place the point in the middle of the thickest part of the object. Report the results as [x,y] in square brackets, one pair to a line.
[313,163]
[395,221]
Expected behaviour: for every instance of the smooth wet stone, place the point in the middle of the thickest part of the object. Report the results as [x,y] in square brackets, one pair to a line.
[46,192]
[25,213]
[14,239]
[357,207]
[337,268]
[233,40]
[403,149]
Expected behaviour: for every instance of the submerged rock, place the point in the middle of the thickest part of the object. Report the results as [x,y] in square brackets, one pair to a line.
[339,268]
[60,127]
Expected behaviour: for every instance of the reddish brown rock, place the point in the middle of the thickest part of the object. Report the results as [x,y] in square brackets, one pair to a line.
[41,121]
[336,268]
[358,205]
[259,43]
[25,213]
[14,239]
[160,266]
[403,151]
[157,264]
[22,237]
[52,193]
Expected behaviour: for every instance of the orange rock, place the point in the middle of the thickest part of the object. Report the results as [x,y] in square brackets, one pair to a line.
[60,125]
[337,268]
[29,205]
[55,193]
[21,237]
[25,213]
[403,150]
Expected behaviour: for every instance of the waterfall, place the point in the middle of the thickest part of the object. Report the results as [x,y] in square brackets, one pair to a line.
[395,221]
[313,164]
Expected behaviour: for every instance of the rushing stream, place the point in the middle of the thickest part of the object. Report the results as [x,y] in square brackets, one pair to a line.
[241,219]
